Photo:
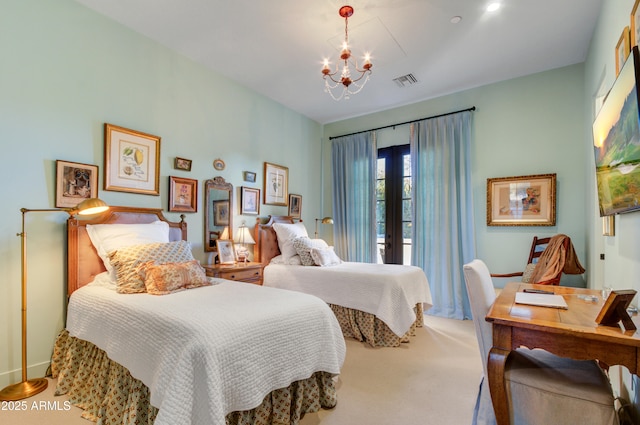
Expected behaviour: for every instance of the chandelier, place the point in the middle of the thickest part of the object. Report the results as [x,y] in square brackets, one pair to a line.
[345,84]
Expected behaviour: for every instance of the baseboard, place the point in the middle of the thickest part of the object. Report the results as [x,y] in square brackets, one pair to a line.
[15,376]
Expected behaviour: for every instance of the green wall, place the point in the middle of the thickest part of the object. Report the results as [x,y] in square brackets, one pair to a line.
[66,71]
[528,125]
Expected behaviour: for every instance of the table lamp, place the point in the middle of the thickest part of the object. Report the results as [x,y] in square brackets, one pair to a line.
[243,237]
[27,388]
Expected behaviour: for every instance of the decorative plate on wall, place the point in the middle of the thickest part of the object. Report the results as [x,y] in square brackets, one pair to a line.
[218,164]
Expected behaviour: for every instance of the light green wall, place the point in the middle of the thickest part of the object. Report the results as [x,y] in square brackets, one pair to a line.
[65,71]
[528,125]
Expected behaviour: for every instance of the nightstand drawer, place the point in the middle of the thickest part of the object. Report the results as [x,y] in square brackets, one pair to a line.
[250,272]
[245,275]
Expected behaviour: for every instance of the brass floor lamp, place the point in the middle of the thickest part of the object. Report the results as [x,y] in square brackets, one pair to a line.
[326,220]
[27,388]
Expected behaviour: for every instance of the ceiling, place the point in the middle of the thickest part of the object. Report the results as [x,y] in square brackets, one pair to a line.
[277,47]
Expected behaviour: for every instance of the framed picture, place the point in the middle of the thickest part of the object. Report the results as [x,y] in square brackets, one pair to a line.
[635,24]
[249,200]
[622,49]
[182,164]
[276,184]
[183,194]
[131,161]
[250,176]
[614,309]
[226,252]
[522,201]
[219,164]
[75,182]
[221,213]
[295,205]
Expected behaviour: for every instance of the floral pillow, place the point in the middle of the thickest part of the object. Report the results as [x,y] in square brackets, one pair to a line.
[163,279]
[304,245]
[126,260]
[325,257]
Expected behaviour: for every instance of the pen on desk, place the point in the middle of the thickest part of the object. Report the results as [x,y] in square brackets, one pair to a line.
[538,291]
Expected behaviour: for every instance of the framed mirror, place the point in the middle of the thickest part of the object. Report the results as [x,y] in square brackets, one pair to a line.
[218,210]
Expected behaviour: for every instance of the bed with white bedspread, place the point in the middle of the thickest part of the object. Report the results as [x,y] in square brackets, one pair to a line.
[378,303]
[220,353]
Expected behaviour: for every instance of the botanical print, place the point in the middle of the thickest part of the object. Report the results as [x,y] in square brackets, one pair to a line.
[184,195]
[132,161]
[276,185]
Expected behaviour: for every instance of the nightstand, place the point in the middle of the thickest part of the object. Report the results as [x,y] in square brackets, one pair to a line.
[245,272]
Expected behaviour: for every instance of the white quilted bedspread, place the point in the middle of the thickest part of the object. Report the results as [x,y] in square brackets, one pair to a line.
[388,291]
[209,351]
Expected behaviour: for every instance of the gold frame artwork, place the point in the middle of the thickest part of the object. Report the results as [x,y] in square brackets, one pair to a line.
[276,184]
[183,194]
[522,201]
[75,182]
[622,49]
[131,161]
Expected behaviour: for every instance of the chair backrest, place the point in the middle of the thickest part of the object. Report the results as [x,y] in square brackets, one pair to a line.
[537,247]
[481,296]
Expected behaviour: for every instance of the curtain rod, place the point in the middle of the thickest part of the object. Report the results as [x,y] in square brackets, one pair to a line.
[473,108]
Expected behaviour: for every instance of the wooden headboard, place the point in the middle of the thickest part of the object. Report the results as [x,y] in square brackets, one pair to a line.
[266,241]
[83,262]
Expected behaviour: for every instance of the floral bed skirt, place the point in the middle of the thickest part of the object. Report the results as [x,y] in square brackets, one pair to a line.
[367,327]
[108,394]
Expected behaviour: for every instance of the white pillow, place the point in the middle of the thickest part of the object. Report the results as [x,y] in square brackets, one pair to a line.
[110,237]
[286,233]
[293,261]
[325,257]
[303,247]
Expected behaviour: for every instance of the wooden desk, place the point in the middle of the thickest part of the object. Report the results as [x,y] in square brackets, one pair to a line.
[569,333]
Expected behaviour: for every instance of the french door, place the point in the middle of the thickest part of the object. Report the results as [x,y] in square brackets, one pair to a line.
[393,205]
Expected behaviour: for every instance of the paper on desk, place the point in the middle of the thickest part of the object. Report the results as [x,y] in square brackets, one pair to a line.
[543,300]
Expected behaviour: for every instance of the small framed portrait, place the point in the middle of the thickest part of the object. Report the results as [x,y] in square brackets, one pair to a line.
[75,182]
[219,164]
[221,213]
[182,164]
[183,194]
[250,176]
[249,200]
[295,205]
[614,310]
[226,252]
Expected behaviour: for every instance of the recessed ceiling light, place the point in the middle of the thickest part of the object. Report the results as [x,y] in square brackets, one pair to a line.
[456,19]
[493,7]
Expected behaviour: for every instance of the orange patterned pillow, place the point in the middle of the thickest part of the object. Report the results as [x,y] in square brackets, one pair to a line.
[126,261]
[163,279]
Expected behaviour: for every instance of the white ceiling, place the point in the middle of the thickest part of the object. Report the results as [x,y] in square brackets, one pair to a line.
[277,47]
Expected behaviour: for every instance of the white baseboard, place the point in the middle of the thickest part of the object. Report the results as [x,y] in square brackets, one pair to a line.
[14,376]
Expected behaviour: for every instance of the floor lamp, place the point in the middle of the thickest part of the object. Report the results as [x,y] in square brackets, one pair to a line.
[28,388]
[326,220]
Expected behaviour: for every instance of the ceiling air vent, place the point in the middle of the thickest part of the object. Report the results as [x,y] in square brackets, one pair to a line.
[405,80]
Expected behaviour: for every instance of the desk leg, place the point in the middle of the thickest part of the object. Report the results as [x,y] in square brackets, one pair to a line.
[495,368]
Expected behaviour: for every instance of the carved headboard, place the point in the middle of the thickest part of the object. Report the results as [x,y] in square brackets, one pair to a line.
[266,240]
[83,262]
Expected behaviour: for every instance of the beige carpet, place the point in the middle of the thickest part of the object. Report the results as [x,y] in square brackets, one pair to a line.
[433,380]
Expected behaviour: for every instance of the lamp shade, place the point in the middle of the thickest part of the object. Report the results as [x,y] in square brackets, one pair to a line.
[91,206]
[243,235]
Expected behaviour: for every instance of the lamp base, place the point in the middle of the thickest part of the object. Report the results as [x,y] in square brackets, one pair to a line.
[24,389]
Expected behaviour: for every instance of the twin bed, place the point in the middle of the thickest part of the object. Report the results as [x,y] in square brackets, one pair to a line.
[220,353]
[381,304]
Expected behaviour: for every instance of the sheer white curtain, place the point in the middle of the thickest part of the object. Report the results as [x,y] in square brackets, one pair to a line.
[443,229]
[354,198]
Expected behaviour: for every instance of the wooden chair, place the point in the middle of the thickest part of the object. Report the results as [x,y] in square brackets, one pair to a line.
[542,388]
[538,247]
